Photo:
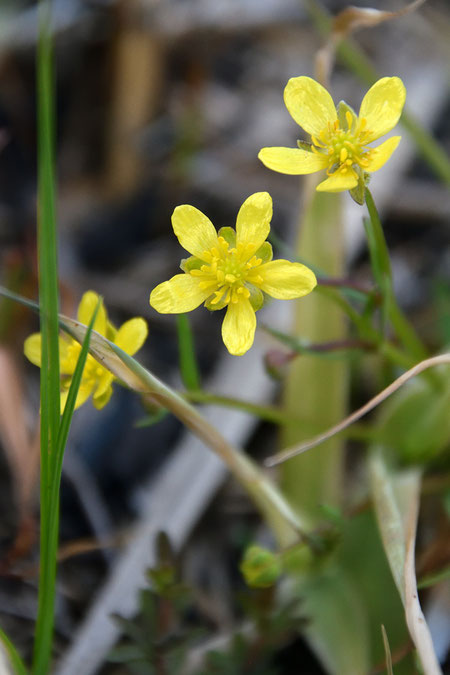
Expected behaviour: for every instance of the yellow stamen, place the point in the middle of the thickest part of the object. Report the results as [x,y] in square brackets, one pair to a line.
[349,118]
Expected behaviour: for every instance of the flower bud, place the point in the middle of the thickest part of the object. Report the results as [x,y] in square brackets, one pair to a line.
[260,567]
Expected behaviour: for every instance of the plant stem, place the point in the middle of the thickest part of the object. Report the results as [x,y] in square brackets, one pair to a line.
[312,480]
[264,412]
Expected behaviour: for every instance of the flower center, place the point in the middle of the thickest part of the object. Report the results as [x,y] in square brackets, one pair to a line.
[226,271]
[344,147]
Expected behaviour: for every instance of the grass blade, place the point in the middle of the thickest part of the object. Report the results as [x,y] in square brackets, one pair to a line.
[14,658]
[387,651]
[48,299]
[69,408]
[49,563]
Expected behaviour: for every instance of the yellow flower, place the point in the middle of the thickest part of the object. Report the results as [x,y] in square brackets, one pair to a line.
[339,137]
[96,380]
[230,269]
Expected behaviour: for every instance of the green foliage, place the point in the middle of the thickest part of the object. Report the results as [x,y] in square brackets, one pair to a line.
[171,623]
[13,655]
[415,424]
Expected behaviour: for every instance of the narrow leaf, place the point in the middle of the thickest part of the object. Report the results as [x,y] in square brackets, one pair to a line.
[69,408]
[48,300]
[16,662]
[387,651]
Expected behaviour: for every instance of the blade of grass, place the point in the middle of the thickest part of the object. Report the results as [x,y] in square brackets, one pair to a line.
[49,562]
[186,352]
[387,651]
[15,660]
[48,299]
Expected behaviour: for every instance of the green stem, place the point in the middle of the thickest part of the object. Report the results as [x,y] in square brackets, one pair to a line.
[264,412]
[316,478]
[403,328]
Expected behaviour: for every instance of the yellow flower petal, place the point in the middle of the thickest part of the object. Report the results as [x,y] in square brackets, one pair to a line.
[194,230]
[253,221]
[286,280]
[339,181]
[381,154]
[131,335]
[100,401]
[67,356]
[86,309]
[84,392]
[382,106]
[293,161]
[238,328]
[33,348]
[182,293]
[310,104]
[103,383]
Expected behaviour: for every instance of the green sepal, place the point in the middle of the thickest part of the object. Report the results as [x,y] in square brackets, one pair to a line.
[265,252]
[229,235]
[343,108]
[305,145]
[358,193]
[256,297]
[192,263]
[217,305]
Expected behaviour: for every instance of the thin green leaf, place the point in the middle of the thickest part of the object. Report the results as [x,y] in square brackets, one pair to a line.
[49,556]
[48,299]
[387,651]
[19,298]
[15,660]
[69,408]
[435,578]
[186,352]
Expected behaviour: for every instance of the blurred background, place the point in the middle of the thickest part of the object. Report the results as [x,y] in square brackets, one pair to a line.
[160,103]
